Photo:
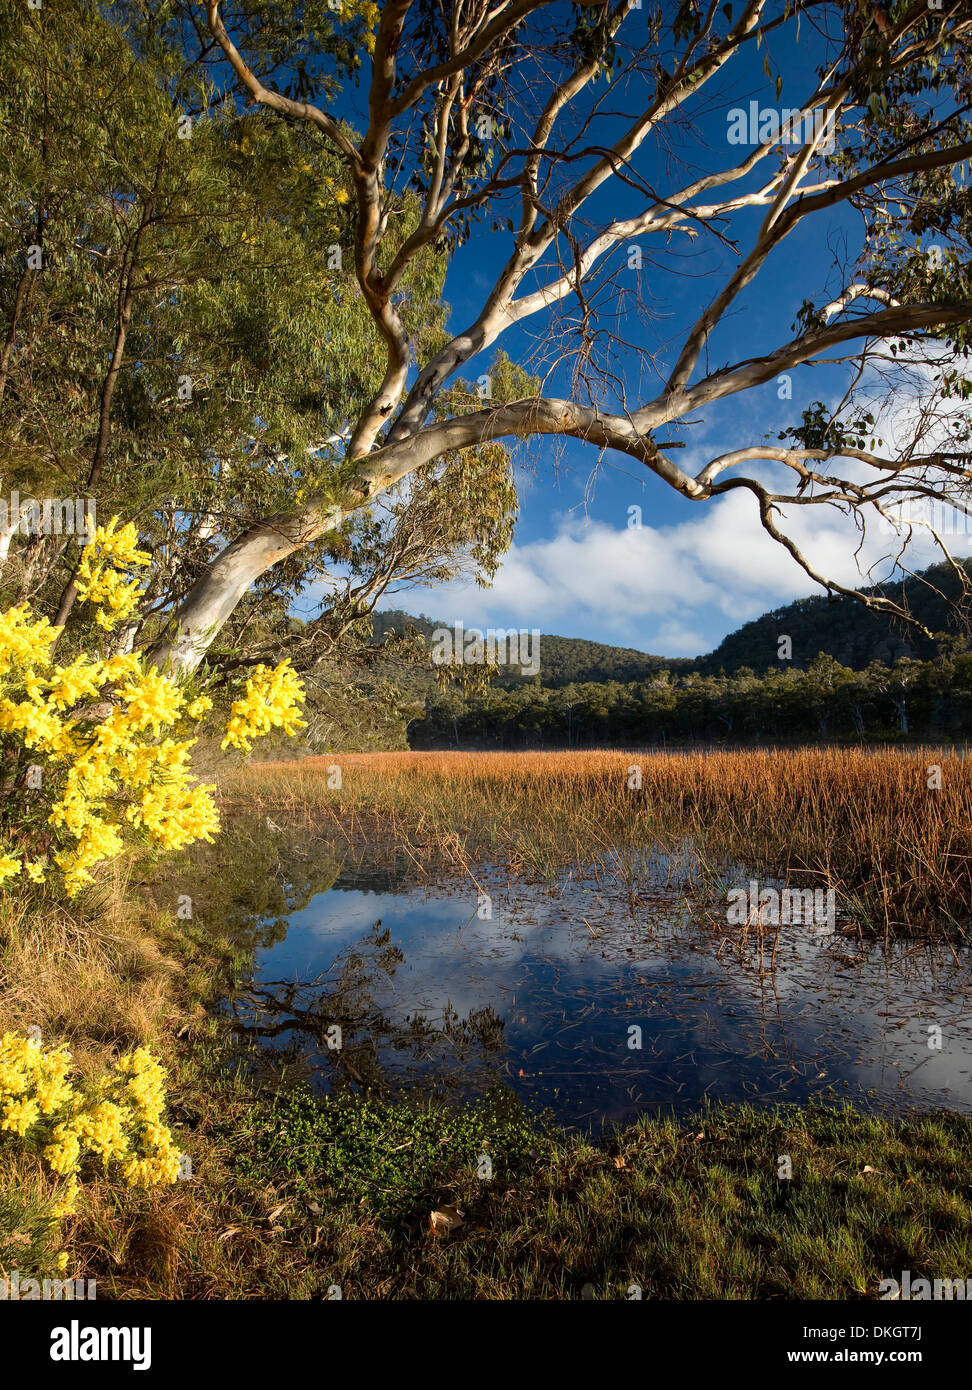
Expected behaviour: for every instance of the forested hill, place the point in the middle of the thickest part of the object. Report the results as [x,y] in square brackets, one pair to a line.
[842,628]
[563,660]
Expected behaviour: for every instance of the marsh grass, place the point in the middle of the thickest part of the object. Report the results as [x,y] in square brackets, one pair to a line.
[897,853]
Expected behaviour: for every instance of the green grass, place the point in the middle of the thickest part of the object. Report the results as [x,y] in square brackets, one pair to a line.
[29,1232]
[295,1195]
[384,1156]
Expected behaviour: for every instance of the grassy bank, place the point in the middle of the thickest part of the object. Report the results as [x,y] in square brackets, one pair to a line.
[891,832]
[294,1198]
[291,1196]
[682,1211]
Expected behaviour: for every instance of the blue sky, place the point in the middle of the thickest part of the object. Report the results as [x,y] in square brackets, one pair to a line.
[692,571]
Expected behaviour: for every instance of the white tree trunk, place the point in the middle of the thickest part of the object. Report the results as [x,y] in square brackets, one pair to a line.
[215,595]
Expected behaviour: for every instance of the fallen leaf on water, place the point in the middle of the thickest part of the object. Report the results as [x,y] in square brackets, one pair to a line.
[445,1220]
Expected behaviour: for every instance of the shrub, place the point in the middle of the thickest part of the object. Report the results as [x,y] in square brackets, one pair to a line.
[98,778]
[117,1118]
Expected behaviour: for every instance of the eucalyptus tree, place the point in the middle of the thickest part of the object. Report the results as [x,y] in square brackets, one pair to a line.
[182,340]
[574,132]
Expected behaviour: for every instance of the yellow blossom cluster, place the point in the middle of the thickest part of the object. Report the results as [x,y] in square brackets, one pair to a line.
[118,1118]
[366,10]
[271,701]
[32,1082]
[103,577]
[103,775]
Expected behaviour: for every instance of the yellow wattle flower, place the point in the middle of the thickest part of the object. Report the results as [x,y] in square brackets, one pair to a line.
[9,867]
[271,701]
[102,777]
[118,1119]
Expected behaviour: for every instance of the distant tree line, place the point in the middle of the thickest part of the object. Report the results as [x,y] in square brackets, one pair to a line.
[842,627]
[906,700]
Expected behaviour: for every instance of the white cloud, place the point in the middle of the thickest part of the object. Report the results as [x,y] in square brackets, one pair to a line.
[677,589]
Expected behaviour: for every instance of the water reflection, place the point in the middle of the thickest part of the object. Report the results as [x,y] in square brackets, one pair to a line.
[463,985]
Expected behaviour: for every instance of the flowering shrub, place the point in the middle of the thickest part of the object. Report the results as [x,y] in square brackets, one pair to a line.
[116,1119]
[102,577]
[368,12]
[270,702]
[103,775]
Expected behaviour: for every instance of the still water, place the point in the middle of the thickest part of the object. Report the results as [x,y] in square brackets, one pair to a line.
[601,1002]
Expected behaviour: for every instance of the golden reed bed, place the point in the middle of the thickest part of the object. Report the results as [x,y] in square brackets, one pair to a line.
[891,830]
